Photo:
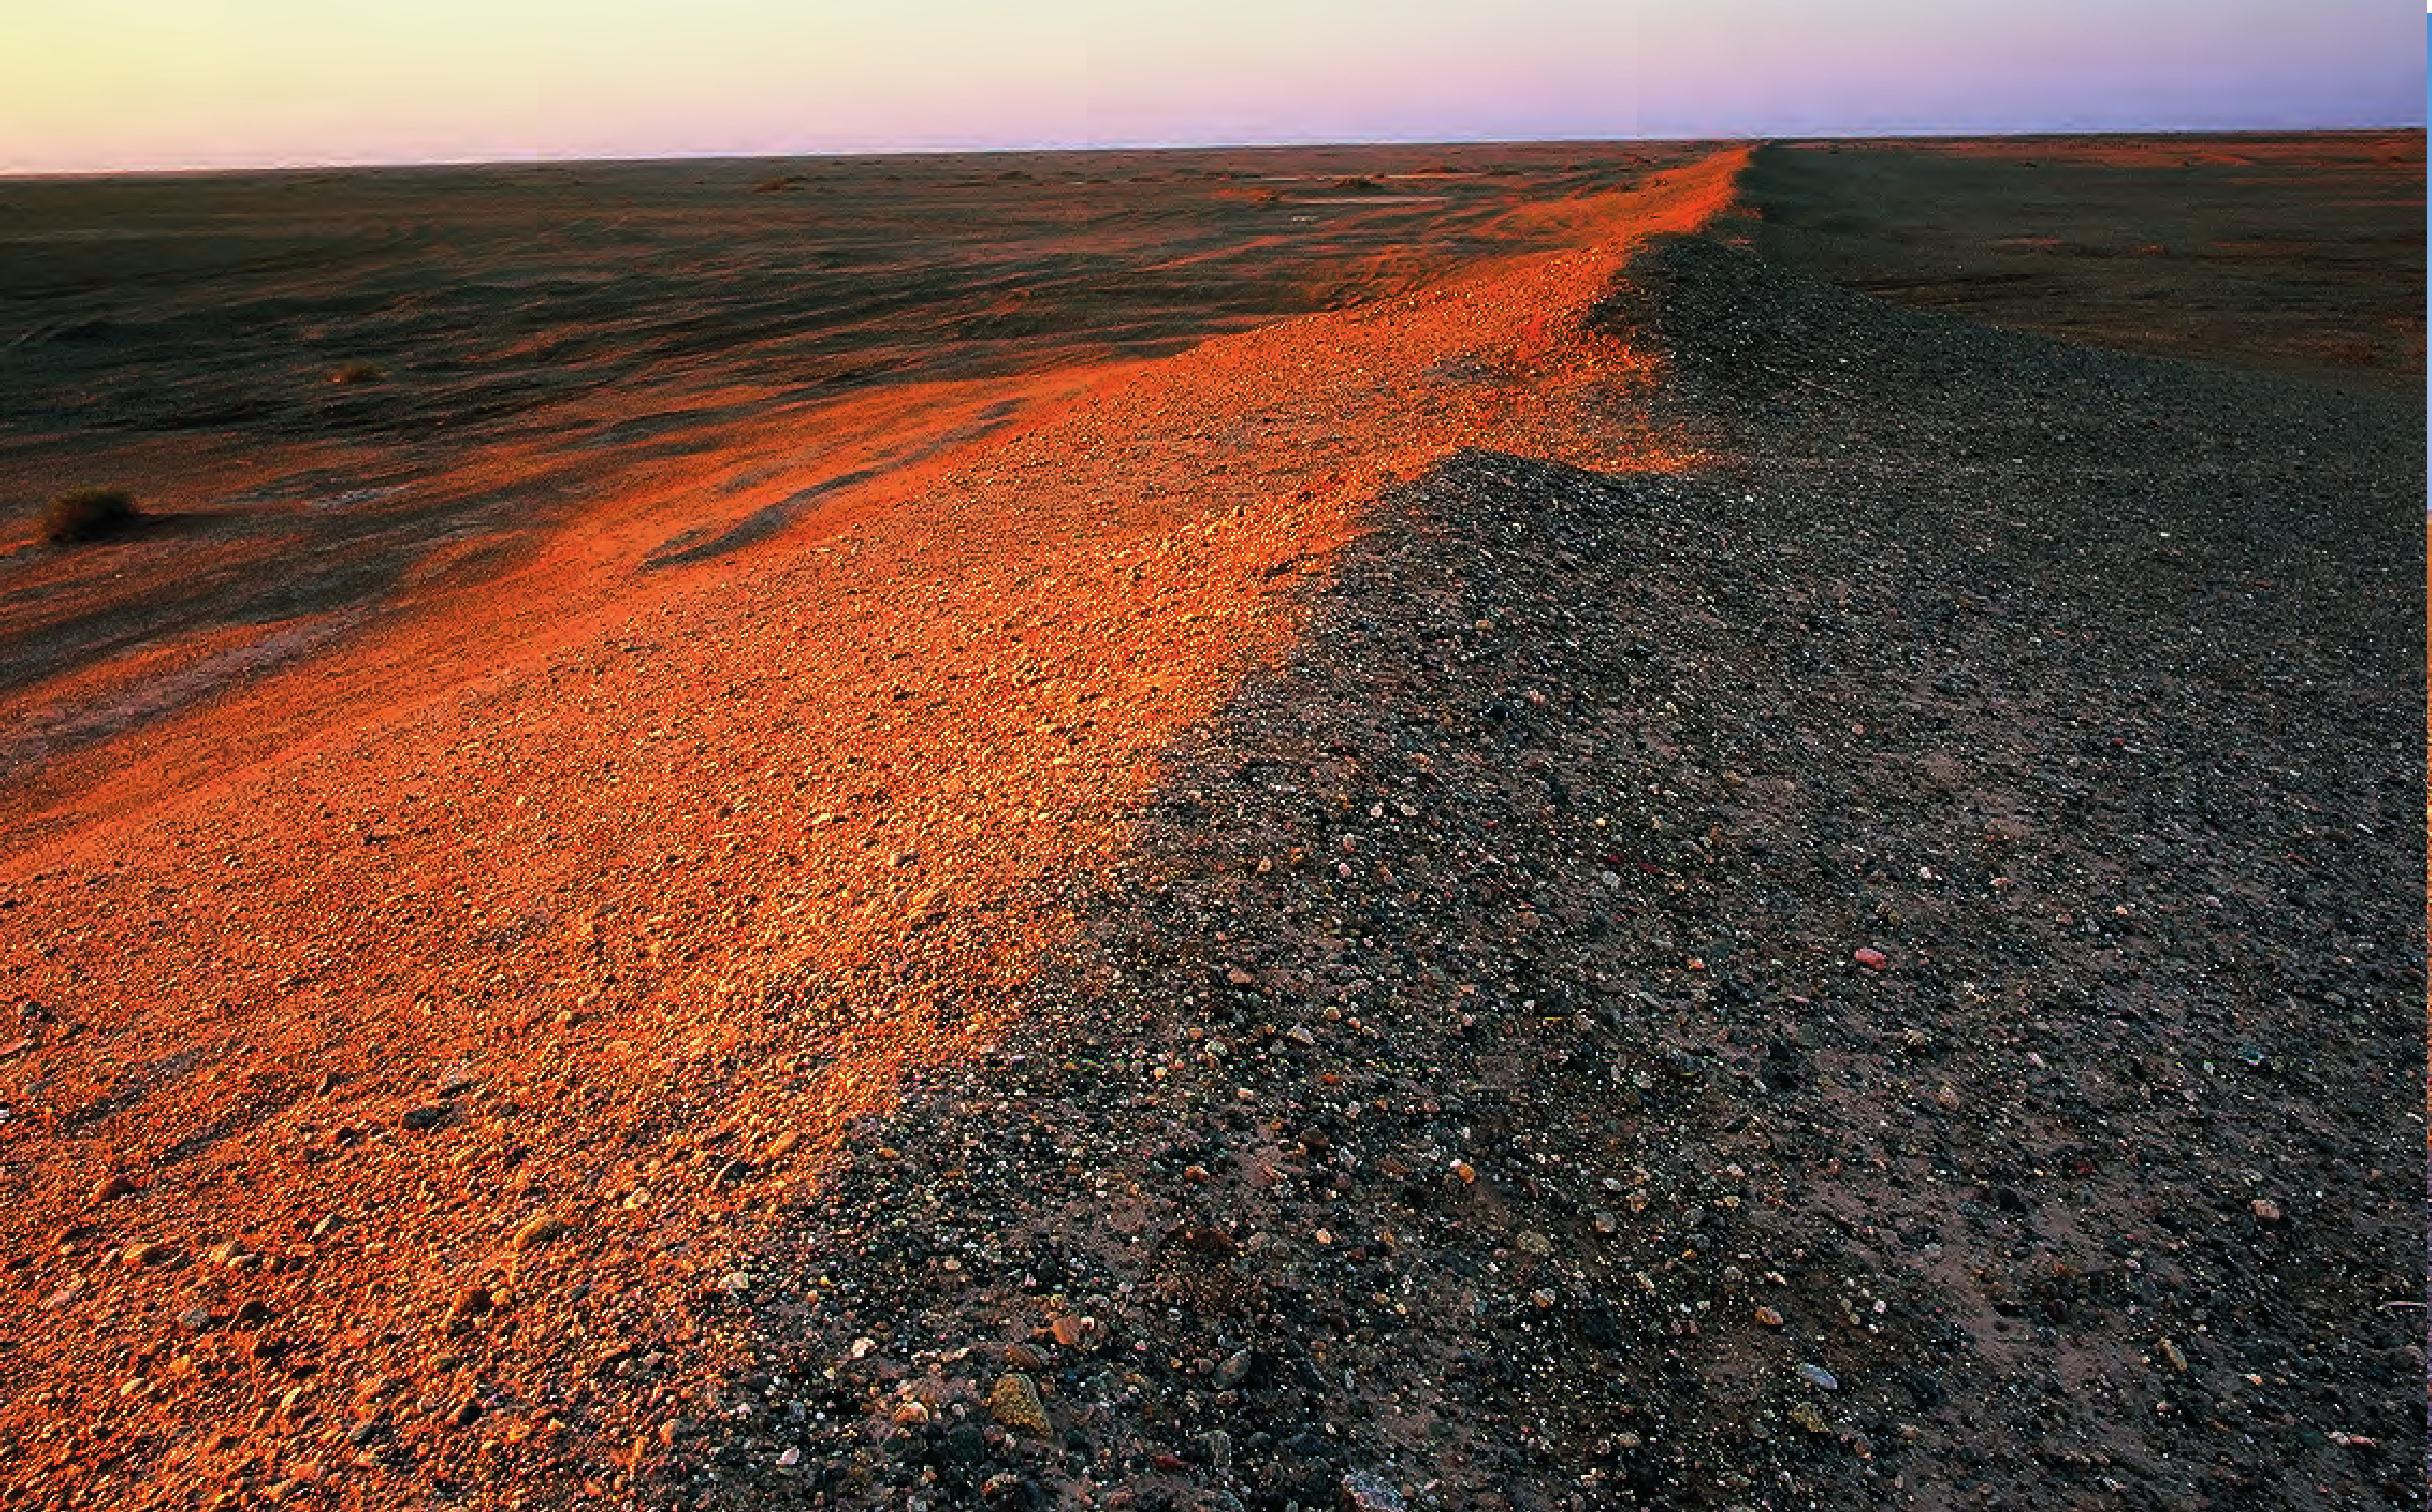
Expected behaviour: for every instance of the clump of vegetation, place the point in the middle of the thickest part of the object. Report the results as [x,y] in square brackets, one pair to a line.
[88,514]
[357,373]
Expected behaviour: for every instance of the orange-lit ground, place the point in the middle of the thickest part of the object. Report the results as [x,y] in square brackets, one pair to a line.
[659,877]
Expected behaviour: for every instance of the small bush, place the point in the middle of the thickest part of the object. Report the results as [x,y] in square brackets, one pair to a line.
[88,514]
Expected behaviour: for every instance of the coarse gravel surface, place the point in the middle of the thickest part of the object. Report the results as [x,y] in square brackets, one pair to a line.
[1881,971]
[405,1040]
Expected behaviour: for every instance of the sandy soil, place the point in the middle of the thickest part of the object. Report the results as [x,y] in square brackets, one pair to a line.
[471,944]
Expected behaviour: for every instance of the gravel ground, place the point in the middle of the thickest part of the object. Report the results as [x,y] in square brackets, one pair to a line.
[1883,971]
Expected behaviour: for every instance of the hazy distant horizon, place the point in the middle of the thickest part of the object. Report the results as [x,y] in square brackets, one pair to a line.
[1087,148]
[118,86]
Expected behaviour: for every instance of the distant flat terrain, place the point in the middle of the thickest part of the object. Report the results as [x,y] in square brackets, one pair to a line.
[223,304]
[2303,254]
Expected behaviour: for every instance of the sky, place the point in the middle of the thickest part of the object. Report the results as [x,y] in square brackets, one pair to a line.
[92,85]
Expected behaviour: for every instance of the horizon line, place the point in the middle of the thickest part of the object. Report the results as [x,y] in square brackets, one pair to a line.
[1076,149]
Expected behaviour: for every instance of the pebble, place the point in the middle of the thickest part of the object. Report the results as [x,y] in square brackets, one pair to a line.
[1014,1402]
[1871,958]
[537,1231]
[1364,1492]
[1819,1377]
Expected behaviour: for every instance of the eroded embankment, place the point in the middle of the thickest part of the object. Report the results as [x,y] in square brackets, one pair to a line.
[1877,972]
[385,1110]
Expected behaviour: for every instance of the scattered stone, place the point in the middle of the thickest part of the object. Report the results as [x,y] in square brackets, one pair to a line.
[1365,1492]
[1818,1377]
[1070,1330]
[428,1116]
[1014,1403]
[537,1231]
[1871,958]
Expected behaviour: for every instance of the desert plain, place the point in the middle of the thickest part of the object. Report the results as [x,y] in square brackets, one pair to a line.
[1534,826]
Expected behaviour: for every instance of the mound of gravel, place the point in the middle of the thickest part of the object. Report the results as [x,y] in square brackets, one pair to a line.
[1884,971]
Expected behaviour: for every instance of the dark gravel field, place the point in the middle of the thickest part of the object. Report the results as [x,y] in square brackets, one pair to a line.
[1882,972]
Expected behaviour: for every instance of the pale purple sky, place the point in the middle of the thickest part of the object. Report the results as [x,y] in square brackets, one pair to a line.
[168,83]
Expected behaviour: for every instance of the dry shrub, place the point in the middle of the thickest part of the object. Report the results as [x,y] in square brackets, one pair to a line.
[88,514]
